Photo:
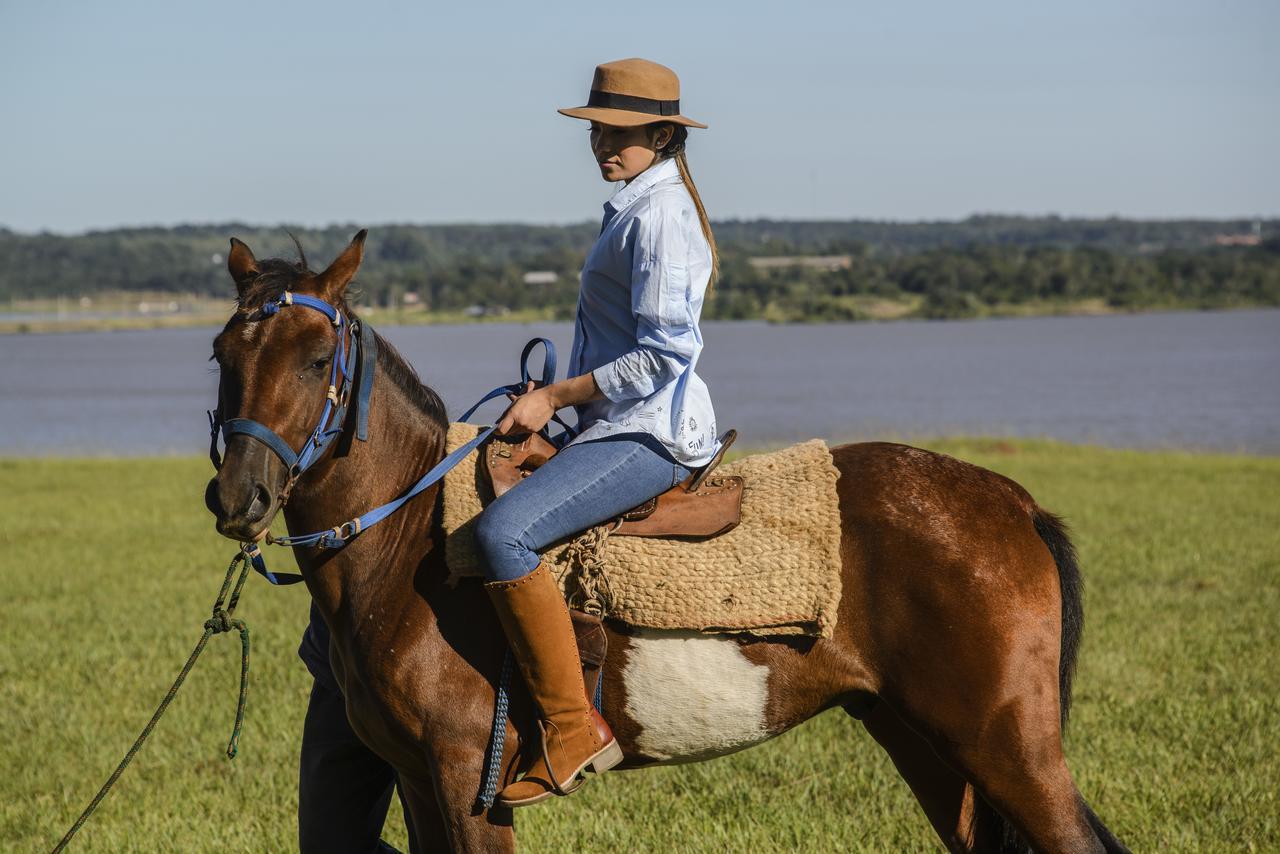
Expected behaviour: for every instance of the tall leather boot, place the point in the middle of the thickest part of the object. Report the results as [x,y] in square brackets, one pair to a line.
[574,736]
[593,645]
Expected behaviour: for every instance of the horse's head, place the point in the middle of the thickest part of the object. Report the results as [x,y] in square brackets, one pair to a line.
[276,368]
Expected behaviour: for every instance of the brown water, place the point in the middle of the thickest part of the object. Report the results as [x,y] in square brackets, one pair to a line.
[1200,380]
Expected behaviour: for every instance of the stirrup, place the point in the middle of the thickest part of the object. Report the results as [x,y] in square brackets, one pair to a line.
[608,755]
[578,778]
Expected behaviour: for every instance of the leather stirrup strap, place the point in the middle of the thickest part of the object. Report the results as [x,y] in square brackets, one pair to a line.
[551,771]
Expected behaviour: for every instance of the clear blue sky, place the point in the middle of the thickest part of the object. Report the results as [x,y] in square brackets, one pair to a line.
[131,113]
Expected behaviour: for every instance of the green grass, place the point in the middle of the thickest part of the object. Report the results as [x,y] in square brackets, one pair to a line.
[107,568]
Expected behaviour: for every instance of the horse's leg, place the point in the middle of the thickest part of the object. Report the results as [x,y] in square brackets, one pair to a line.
[447,802]
[945,796]
[1018,766]
[426,819]
[961,818]
[1000,728]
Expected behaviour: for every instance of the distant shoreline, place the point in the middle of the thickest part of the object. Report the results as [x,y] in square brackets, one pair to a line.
[878,312]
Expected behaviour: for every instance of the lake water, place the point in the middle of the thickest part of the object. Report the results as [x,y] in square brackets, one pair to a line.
[1199,380]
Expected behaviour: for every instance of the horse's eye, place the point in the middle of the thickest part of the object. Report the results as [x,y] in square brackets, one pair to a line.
[319,363]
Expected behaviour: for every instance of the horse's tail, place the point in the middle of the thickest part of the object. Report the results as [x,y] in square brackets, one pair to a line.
[1054,533]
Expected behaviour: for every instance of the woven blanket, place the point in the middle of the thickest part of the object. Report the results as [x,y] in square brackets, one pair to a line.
[776,573]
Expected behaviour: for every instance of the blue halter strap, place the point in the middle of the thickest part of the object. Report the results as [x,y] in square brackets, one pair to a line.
[351,338]
[356,345]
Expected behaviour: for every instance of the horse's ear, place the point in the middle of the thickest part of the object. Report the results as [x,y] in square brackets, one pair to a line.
[241,264]
[334,280]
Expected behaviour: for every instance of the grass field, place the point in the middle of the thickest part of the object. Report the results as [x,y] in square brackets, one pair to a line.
[107,568]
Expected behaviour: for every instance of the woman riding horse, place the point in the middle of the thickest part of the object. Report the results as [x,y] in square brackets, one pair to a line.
[645,416]
[646,420]
[960,610]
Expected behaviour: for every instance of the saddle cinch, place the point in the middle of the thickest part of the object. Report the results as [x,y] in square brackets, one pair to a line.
[700,506]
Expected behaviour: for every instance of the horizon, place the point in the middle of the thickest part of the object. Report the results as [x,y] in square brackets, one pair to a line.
[586,222]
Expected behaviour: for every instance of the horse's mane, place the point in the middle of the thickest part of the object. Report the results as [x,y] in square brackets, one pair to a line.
[406,379]
[277,275]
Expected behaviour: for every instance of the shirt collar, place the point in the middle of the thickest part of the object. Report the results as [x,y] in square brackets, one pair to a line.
[639,185]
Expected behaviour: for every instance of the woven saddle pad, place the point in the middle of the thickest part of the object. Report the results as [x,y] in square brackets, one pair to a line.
[776,573]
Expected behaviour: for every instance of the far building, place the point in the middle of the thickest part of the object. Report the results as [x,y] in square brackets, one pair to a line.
[1252,238]
[826,263]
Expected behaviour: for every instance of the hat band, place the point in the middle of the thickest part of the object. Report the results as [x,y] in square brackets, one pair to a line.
[634,103]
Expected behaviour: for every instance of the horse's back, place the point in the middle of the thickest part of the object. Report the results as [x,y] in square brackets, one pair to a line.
[894,481]
[941,560]
[912,513]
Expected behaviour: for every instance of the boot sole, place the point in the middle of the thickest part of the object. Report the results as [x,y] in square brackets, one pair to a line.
[524,802]
[610,756]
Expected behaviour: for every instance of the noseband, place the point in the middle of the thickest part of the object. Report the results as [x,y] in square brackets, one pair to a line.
[355,344]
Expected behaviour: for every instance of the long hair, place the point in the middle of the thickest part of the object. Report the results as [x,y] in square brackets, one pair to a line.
[675,148]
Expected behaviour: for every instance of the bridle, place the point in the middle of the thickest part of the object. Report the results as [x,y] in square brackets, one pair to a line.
[355,341]
[353,366]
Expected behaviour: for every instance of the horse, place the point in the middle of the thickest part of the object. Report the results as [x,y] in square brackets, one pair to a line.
[955,645]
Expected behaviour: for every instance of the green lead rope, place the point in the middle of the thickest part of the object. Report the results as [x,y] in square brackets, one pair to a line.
[221,621]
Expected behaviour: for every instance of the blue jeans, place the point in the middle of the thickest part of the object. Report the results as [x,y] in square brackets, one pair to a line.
[582,485]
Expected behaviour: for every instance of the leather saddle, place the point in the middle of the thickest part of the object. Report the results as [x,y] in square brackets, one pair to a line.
[700,506]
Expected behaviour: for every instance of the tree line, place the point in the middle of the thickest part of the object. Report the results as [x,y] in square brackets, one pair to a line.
[965,268]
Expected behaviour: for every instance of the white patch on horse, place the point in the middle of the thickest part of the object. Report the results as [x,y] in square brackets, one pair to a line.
[694,696]
[246,331]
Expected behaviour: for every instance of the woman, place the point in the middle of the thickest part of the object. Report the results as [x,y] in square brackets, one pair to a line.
[645,419]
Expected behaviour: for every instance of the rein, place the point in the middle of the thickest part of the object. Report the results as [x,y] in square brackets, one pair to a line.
[356,345]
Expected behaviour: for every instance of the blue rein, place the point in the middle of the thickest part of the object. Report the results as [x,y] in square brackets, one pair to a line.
[356,343]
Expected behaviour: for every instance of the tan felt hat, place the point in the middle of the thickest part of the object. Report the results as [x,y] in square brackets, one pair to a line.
[633,92]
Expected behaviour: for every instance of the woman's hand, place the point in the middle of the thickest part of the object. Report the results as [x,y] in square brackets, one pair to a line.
[529,412]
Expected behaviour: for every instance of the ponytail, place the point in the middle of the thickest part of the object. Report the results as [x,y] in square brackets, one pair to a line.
[675,148]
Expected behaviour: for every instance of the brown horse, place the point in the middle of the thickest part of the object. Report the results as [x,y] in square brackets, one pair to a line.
[956,640]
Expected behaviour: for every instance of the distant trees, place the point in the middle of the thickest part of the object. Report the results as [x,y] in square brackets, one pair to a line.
[977,266]
[978,280]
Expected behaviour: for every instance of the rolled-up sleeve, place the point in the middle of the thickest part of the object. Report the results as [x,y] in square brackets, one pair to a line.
[666,332]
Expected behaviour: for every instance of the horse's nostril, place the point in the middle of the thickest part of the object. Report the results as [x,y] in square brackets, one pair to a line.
[211,498]
[261,502]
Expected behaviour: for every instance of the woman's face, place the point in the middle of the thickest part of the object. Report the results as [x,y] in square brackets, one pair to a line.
[625,152]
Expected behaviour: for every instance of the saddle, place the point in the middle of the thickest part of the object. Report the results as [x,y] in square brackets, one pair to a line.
[699,506]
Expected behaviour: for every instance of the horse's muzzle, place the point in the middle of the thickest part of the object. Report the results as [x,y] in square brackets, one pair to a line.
[244,506]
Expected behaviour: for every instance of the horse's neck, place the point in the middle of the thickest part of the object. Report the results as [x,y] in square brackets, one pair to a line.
[403,444]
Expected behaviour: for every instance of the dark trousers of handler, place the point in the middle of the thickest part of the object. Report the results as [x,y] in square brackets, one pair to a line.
[344,788]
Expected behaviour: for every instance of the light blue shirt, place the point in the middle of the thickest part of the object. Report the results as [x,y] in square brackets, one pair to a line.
[637,323]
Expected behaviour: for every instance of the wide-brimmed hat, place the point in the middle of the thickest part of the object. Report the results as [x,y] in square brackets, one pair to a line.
[633,92]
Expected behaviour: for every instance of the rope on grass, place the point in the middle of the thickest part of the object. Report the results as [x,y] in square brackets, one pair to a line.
[222,620]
